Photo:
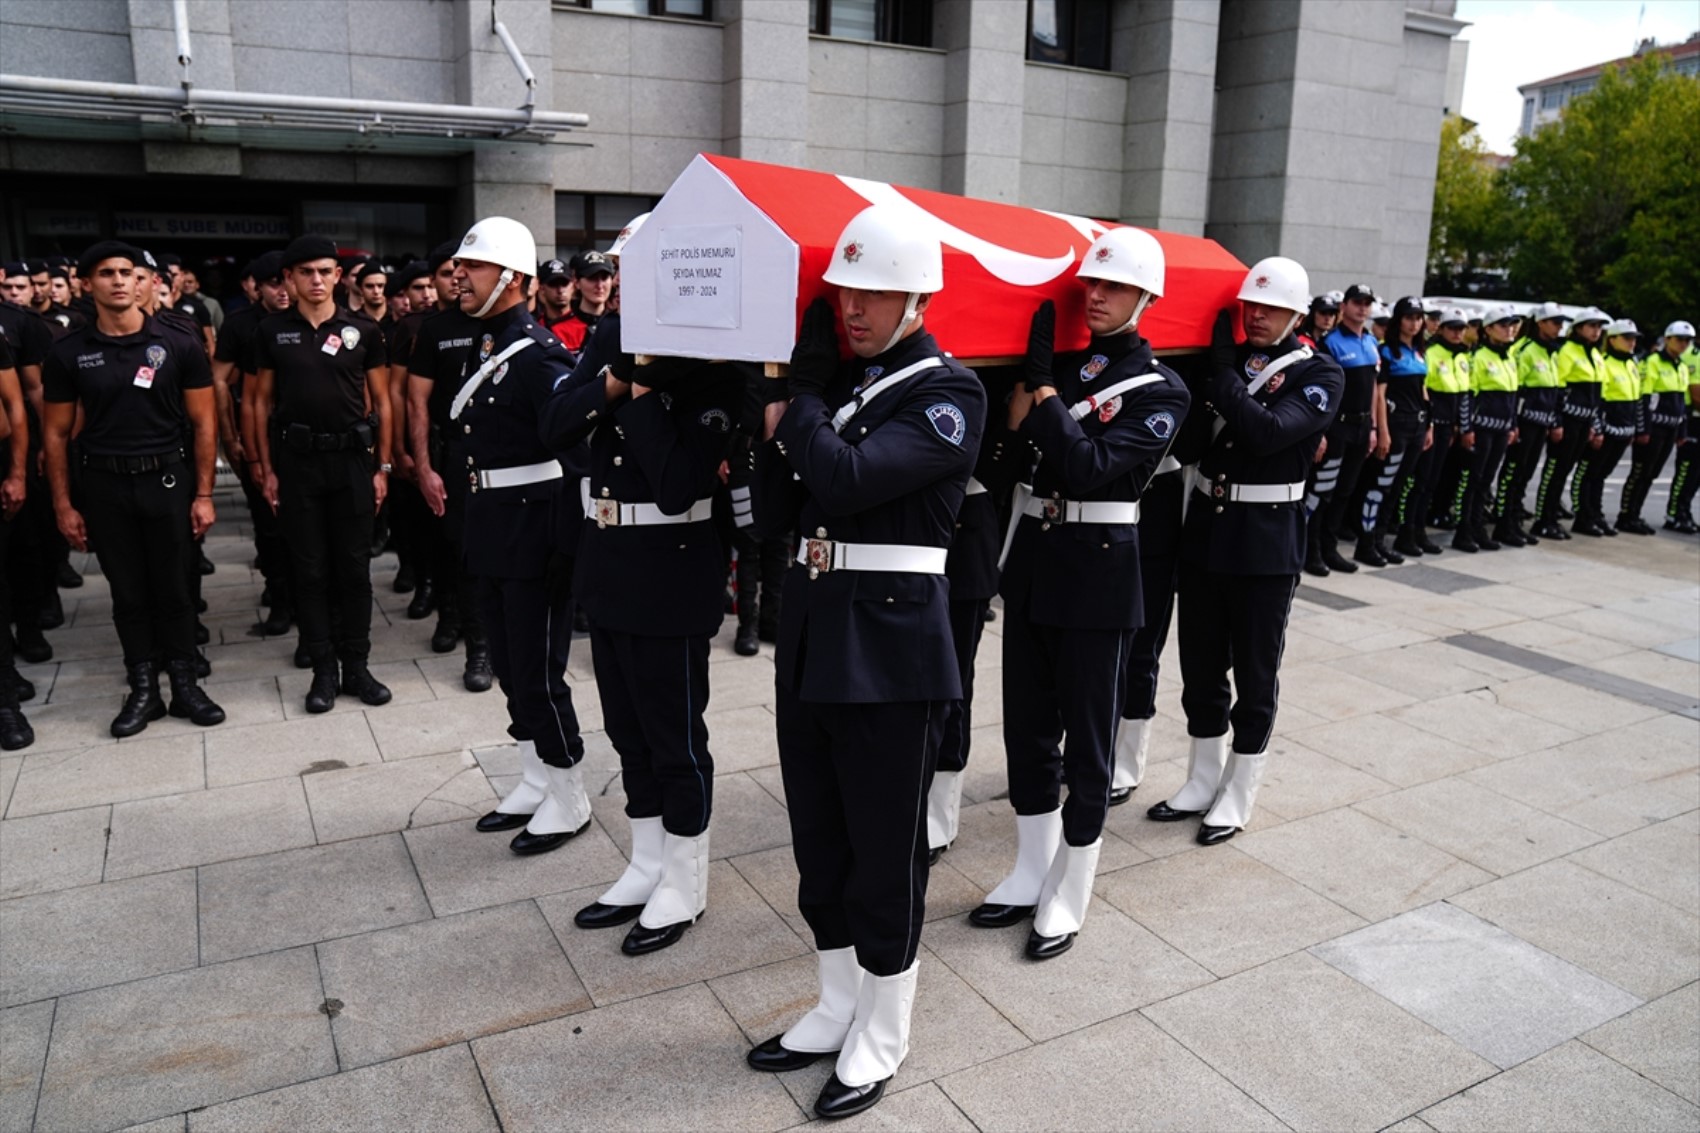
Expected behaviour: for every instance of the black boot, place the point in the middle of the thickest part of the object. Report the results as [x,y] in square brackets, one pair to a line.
[1549,529]
[1335,560]
[15,683]
[15,731]
[1682,524]
[30,645]
[277,622]
[52,615]
[188,700]
[403,583]
[1505,532]
[424,601]
[1483,540]
[1634,524]
[357,680]
[447,634]
[747,643]
[143,705]
[1393,557]
[303,658]
[479,675]
[1313,562]
[205,565]
[1368,553]
[322,696]
[67,577]
[203,667]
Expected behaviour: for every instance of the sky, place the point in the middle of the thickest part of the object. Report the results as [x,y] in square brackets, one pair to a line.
[1520,41]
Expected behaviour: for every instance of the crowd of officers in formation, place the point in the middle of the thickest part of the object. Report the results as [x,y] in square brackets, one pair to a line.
[533,473]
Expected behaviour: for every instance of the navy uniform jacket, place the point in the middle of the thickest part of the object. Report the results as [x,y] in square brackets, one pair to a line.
[972,566]
[1267,438]
[510,532]
[897,475]
[1086,575]
[1160,504]
[664,448]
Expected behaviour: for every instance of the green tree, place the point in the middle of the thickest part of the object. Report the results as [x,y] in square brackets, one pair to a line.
[1602,204]
[1467,231]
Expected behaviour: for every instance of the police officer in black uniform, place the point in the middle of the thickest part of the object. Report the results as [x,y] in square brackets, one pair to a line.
[30,563]
[1071,584]
[15,730]
[514,545]
[141,386]
[651,579]
[1244,543]
[325,463]
[762,561]
[870,464]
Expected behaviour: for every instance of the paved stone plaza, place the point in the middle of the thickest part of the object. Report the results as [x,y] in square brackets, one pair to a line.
[1470,897]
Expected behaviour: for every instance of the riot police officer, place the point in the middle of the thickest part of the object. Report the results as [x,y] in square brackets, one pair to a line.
[512,540]
[1071,585]
[325,370]
[141,386]
[651,578]
[870,463]
[1244,544]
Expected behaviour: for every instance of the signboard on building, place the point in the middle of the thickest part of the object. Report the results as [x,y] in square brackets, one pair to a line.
[143,226]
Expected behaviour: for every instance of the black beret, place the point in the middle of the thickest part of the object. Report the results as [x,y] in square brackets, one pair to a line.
[442,254]
[267,267]
[414,269]
[170,260]
[105,250]
[14,267]
[304,249]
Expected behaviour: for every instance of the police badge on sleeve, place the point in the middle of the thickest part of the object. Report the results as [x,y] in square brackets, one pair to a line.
[948,422]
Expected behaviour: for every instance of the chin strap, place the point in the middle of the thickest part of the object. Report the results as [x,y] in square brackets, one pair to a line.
[1138,310]
[502,282]
[1288,329]
[903,325]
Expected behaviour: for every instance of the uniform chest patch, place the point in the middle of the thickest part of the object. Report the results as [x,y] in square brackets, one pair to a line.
[1318,397]
[1255,365]
[1107,411]
[716,421]
[156,356]
[869,377]
[1162,425]
[947,420]
[350,337]
[486,345]
[1094,366]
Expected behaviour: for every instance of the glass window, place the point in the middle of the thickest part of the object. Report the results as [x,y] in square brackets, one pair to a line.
[1528,115]
[690,9]
[1074,33]
[1552,98]
[908,22]
[591,220]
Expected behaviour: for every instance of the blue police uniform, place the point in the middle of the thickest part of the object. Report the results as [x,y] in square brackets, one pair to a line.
[866,662]
[1072,584]
[511,472]
[1381,483]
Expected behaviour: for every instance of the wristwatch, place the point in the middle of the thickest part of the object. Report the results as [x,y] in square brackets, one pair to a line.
[386,468]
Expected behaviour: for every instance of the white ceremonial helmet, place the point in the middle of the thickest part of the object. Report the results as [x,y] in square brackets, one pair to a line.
[882,250]
[1131,256]
[626,234]
[1276,281]
[1680,329]
[1622,326]
[504,242]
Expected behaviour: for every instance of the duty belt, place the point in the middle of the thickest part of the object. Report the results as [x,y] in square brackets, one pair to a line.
[517,476]
[824,555]
[613,513]
[1081,511]
[132,465]
[1254,493]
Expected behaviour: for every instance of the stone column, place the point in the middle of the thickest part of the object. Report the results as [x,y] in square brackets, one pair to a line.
[765,93]
[514,180]
[985,84]
[1167,49]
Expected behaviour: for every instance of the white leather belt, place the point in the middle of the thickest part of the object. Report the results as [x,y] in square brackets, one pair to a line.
[519,476]
[822,555]
[975,488]
[613,513]
[1081,511]
[1255,493]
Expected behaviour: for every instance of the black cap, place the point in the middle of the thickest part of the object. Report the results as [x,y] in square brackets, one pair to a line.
[170,260]
[551,271]
[304,249]
[59,271]
[1323,303]
[103,250]
[1359,291]
[366,267]
[1409,305]
[412,270]
[59,261]
[442,254]
[14,267]
[592,263]
[267,267]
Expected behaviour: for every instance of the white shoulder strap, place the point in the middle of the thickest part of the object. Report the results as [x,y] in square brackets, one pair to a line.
[1081,408]
[1262,380]
[484,371]
[855,405]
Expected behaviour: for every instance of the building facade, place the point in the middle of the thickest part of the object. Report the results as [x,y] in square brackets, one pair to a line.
[1302,127]
[1544,101]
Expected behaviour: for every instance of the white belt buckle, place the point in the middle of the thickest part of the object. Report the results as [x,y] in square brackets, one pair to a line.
[819,552]
[606,513]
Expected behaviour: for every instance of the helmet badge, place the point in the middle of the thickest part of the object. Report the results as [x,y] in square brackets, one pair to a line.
[852,252]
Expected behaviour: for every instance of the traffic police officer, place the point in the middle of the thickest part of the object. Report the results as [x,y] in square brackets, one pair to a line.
[1664,387]
[651,578]
[1071,585]
[1580,367]
[325,370]
[1244,544]
[1448,384]
[140,385]
[870,463]
[15,731]
[1493,426]
[1538,418]
[1333,480]
[513,541]
[1679,513]
[1622,420]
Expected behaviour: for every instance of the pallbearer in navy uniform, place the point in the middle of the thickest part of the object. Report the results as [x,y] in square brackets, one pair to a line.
[1244,543]
[1071,584]
[515,492]
[870,463]
[651,578]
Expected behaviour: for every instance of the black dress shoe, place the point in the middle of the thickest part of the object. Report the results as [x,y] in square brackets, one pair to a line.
[67,577]
[1336,561]
[598,915]
[52,615]
[773,1057]
[446,636]
[424,601]
[1682,525]
[1462,540]
[16,733]
[357,680]
[525,842]
[747,643]
[1163,812]
[1587,526]
[1634,524]
[1607,529]
[1429,546]
[498,820]
[321,696]
[999,916]
[403,583]
[1406,545]
[206,564]
[1486,542]
[202,634]
[1547,529]
[1210,835]
[31,646]
[641,941]
[21,685]
[838,1100]
[1369,554]
[1120,795]
[1048,947]
[277,622]
[1314,564]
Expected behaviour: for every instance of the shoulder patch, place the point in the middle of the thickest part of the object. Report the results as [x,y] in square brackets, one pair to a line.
[1162,425]
[1317,396]
[948,421]
[716,420]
